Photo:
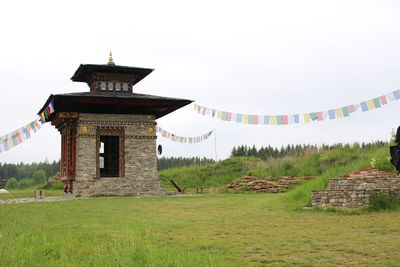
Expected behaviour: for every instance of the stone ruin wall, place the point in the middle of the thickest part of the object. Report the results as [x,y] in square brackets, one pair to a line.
[139,152]
[355,189]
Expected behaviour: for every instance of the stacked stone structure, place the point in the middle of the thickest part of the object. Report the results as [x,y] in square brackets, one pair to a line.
[265,185]
[355,189]
[140,161]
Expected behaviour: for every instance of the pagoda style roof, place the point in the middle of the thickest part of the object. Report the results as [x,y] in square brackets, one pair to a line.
[114,103]
[82,74]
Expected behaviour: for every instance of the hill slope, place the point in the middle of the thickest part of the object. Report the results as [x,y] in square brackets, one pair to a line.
[324,164]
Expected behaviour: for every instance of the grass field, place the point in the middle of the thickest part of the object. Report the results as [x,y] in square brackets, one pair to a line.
[211,229]
[29,193]
[206,230]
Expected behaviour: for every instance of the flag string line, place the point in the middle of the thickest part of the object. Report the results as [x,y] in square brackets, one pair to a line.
[335,113]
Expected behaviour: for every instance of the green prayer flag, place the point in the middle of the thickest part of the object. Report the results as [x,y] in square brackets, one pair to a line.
[345,111]
[377,102]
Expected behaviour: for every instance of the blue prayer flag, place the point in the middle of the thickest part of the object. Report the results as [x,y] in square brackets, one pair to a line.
[364,106]
[266,119]
[396,94]
[331,114]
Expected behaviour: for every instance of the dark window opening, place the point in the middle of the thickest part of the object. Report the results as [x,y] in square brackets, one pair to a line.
[109,156]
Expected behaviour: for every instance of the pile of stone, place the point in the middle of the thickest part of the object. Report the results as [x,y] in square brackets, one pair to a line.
[263,185]
[354,190]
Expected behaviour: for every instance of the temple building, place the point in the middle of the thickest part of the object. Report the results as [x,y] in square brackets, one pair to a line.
[108,134]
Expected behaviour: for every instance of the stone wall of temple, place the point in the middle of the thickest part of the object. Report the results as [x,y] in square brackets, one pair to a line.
[139,159]
[354,190]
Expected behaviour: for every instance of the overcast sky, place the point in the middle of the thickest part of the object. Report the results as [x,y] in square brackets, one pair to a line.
[254,57]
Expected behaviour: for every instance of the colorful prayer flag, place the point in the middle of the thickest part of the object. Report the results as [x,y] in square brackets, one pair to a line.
[364,106]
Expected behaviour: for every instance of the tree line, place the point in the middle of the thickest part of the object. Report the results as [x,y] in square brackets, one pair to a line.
[23,175]
[23,171]
[178,162]
[269,152]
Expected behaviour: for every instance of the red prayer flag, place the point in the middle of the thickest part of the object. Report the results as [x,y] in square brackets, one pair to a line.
[229,116]
[320,117]
[19,137]
[255,119]
[284,119]
[383,100]
[351,108]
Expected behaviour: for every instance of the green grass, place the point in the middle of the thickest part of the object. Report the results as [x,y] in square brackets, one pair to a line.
[208,230]
[29,193]
[323,164]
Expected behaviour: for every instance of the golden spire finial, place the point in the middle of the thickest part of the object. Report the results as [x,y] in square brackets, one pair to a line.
[110,59]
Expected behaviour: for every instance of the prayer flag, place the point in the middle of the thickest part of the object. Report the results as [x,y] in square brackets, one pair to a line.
[377,102]
[266,119]
[19,137]
[345,111]
[229,116]
[313,116]
[251,119]
[219,114]
[396,94]
[272,120]
[213,113]
[339,113]
[279,119]
[37,124]
[331,114]
[245,118]
[255,119]
[364,106]
[204,111]
[291,119]
[307,117]
[239,117]
[320,116]
[370,104]
[296,118]
[285,119]
[383,100]
[14,140]
[5,144]
[391,97]
[51,106]
[224,116]
[33,127]
[351,108]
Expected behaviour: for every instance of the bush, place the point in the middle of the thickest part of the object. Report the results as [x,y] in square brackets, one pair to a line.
[383,201]
[58,185]
[25,183]
[383,164]
[12,183]
[39,177]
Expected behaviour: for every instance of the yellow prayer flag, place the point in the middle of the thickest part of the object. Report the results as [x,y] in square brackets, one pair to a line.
[307,117]
[245,118]
[196,107]
[219,114]
[272,120]
[339,113]
[10,142]
[370,104]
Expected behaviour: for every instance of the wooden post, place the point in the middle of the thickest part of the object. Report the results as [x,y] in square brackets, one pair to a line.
[39,193]
[182,191]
